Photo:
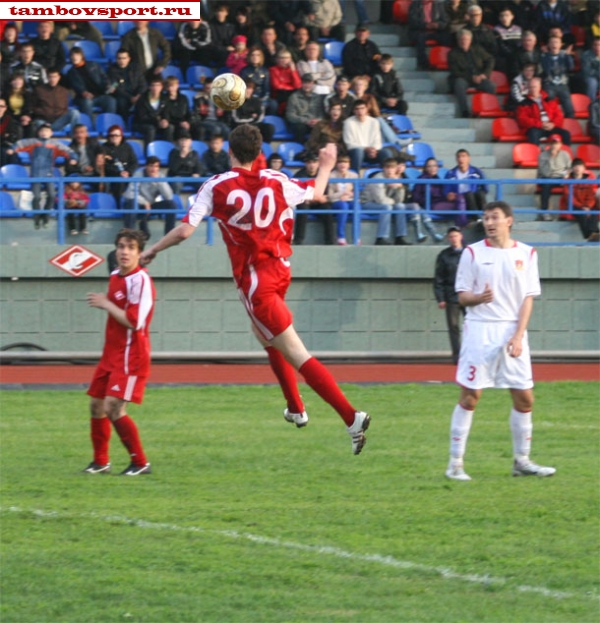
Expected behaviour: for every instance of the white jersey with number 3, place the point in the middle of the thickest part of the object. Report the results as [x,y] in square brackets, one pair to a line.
[511,273]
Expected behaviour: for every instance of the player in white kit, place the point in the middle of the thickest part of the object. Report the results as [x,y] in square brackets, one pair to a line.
[496,281]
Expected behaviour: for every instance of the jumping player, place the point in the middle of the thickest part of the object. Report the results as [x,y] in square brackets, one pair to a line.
[255,212]
[123,370]
[497,279]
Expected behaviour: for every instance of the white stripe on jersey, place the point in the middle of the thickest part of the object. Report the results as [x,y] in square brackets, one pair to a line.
[247,301]
[131,380]
[139,292]
[202,204]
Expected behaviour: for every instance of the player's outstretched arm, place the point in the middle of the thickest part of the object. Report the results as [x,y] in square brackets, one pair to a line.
[327,160]
[175,236]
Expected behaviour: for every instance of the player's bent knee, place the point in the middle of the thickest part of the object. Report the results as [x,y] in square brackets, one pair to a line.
[114,407]
[97,407]
[469,398]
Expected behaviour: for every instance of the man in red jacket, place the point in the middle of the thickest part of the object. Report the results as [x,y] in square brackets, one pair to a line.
[539,116]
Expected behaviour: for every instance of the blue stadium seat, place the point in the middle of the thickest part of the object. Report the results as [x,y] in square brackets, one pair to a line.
[106,119]
[199,147]
[267,150]
[106,30]
[160,149]
[124,26]
[173,70]
[8,208]
[167,28]
[281,130]
[103,205]
[405,125]
[332,51]
[196,75]
[88,123]
[91,50]
[412,173]
[14,171]
[29,29]
[110,50]
[421,152]
[138,150]
[288,150]
[190,95]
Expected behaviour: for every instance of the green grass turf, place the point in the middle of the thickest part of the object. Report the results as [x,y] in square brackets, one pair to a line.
[248,519]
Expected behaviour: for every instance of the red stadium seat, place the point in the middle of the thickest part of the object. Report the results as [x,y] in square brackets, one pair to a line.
[581,103]
[507,130]
[590,154]
[438,57]
[526,155]
[579,33]
[501,81]
[400,11]
[577,133]
[487,105]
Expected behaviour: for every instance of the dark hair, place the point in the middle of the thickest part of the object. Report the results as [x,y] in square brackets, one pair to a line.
[131,234]
[274,156]
[53,70]
[358,103]
[28,44]
[577,161]
[389,161]
[156,79]
[500,205]
[123,51]
[79,125]
[386,57]
[245,143]
[152,160]
[462,150]
[76,50]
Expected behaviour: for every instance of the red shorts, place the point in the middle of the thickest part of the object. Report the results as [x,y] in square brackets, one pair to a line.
[262,290]
[118,384]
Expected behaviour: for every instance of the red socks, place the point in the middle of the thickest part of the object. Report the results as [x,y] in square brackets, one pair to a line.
[100,433]
[286,375]
[321,381]
[128,432]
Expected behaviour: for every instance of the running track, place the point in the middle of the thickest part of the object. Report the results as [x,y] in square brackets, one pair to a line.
[261,374]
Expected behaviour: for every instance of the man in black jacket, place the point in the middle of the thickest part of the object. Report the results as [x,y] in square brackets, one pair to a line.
[32,71]
[49,51]
[482,35]
[176,113]
[148,110]
[360,55]
[446,266]
[143,42]
[184,162]
[127,82]
[90,84]
[88,151]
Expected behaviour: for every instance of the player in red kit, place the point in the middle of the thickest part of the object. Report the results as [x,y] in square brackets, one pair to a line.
[125,365]
[255,212]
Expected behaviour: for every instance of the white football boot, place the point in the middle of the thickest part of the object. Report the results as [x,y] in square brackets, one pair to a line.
[357,431]
[299,419]
[456,471]
[529,468]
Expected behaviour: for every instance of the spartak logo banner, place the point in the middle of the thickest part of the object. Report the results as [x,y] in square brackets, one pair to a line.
[76,260]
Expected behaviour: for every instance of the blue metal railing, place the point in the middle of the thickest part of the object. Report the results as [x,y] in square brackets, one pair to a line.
[357,211]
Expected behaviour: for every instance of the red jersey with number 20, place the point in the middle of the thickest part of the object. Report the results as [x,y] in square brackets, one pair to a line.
[128,350]
[255,213]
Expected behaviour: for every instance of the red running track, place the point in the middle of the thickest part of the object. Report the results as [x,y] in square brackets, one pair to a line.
[241,374]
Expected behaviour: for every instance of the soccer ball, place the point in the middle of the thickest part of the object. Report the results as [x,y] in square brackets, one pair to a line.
[228,91]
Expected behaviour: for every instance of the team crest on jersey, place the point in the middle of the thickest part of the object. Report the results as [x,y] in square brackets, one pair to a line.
[519,264]
[119,295]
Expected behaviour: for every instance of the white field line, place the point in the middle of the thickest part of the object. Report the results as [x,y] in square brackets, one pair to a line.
[387,561]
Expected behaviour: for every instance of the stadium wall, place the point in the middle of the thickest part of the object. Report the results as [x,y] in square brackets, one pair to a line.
[343,299]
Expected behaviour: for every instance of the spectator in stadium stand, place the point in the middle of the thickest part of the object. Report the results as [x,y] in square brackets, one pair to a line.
[325,20]
[90,156]
[584,200]
[539,116]
[49,51]
[304,109]
[470,195]
[470,66]
[321,69]
[593,29]
[523,12]
[342,96]
[341,195]
[387,88]
[82,30]
[428,21]
[360,55]
[594,120]
[556,67]
[184,162]
[269,45]
[244,25]
[238,59]
[298,47]
[328,130]
[553,163]
[259,74]
[549,14]
[51,104]
[119,160]
[215,159]
[528,52]
[9,48]
[508,37]
[43,150]
[76,198]
[438,201]
[557,32]
[456,10]
[193,43]
[152,196]
[253,111]
[148,111]
[222,33]
[519,88]
[176,114]
[208,119]
[590,69]
[10,132]
[483,36]
[143,44]
[20,104]
[90,84]
[33,72]
[284,79]
[287,17]
[127,82]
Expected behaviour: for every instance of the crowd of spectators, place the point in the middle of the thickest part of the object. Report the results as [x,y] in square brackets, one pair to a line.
[278,50]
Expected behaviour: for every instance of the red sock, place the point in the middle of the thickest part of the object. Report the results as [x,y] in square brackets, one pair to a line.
[100,433]
[128,432]
[320,380]
[286,375]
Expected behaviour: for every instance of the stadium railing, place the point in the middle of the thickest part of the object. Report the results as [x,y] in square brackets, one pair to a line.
[356,213]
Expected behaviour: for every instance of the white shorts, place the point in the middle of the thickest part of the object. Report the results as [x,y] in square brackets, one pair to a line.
[484,360]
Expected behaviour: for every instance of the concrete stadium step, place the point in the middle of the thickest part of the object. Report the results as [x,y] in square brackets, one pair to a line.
[428,108]
[398,52]
[417,85]
[457,135]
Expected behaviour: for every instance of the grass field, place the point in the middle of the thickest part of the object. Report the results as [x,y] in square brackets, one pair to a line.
[248,519]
